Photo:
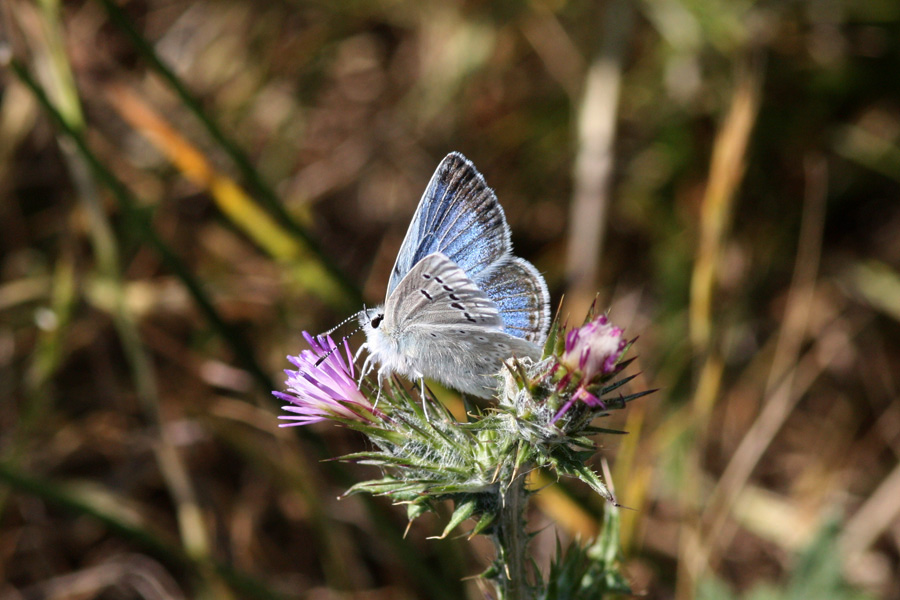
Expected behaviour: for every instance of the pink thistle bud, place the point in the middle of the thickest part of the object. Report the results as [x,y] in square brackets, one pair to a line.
[591,351]
[594,349]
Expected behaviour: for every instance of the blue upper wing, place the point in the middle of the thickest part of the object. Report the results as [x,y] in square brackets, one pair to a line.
[458,216]
[521,296]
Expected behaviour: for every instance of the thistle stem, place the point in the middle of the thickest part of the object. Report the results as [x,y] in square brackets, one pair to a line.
[511,541]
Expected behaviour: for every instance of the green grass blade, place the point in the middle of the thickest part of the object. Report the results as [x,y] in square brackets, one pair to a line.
[141,226]
[171,554]
[266,195]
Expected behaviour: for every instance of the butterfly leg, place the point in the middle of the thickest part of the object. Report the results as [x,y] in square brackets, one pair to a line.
[367,367]
[383,373]
[365,346]
[424,399]
[377,398]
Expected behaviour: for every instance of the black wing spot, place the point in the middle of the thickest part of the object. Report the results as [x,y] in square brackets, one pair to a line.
[454,297]
[426,294]
[446,287]
[481,338]
[426,276]
[457,306]
[469,317]
[439,280]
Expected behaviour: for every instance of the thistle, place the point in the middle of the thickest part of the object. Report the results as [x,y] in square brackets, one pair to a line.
[542,419]
[323,385]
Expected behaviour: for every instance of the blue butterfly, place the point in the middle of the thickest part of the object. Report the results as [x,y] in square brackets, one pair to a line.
[458,302]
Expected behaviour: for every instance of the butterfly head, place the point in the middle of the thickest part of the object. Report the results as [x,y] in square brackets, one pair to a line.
[382,341]
[371,319]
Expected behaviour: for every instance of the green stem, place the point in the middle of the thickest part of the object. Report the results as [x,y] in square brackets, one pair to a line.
[511,541]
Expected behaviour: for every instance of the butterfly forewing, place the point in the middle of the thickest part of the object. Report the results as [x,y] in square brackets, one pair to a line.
[458,216]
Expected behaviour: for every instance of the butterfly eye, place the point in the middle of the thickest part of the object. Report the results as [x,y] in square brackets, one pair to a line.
[376,321]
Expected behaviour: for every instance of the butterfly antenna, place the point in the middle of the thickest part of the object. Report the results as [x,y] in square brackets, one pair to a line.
[342,323]
[335,347]
[343,339]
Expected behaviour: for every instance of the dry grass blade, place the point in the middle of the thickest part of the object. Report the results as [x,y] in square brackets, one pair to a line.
[594,163]
[560,506]
[780,393]
[233,201]
[725,174]
[57,77]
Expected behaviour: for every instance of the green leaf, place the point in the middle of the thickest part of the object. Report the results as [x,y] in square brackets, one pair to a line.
[551,343]
[582,472]
[415,510]
[463,511]
[487,519]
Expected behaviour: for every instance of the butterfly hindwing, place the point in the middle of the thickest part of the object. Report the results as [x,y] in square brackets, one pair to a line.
[469,358]
[437,292]
[458,216]
[452,328]
[521,296]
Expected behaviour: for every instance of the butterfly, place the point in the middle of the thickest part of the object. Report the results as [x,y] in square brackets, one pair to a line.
[458,302]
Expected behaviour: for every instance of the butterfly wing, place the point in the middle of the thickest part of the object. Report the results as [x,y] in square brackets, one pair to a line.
[443,326]
[521,296]
[458,216]
[469,358]
[437,292]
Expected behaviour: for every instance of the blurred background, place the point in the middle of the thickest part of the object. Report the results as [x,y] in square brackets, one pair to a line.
[186,186]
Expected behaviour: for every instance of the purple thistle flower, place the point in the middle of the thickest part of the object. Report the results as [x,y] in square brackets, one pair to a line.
[322,390]
[594,349]
[591,351]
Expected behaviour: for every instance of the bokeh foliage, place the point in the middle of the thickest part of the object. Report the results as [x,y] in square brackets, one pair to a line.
[186,186]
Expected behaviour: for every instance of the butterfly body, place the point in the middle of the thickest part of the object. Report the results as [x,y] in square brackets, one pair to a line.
[458,303]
